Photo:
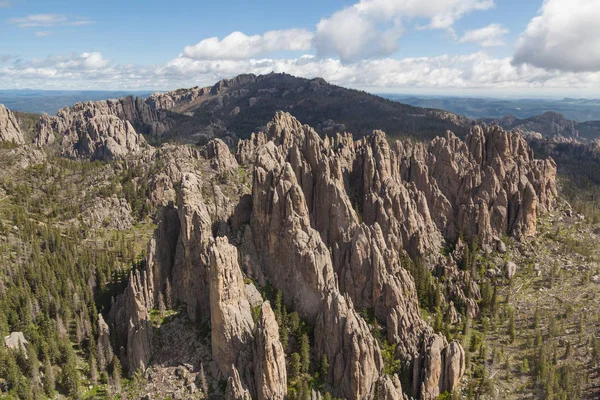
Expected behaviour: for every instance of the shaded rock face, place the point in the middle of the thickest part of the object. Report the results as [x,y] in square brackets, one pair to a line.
[9,127]
[130,316]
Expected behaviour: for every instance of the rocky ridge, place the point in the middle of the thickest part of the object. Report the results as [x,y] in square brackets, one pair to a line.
[247,102]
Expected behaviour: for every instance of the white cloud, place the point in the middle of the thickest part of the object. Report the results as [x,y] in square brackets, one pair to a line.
[564,35]
[371,28]
[43,33]
[474,71]
[477,72]
[238,46]
[37,20]
[351,36]
[489,36]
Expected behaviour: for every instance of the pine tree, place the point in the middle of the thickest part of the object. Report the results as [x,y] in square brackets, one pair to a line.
[305,392]
[324,368]
[295,365]
[278,308]
[48,379]
[512,329]
[69,378]
[116,375]
[294,322]
[284,336]
[93,370]
[305,353]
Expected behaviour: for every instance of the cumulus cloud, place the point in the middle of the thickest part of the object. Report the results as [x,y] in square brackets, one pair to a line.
[40,20]
[473,71]
[238,46]
[563,36]
[43,33]
[371,28]
[478,71]
[489,36]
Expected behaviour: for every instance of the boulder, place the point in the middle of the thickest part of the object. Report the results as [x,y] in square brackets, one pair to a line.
[511,269]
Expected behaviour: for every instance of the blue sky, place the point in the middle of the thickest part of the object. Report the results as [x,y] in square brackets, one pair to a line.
[509,47]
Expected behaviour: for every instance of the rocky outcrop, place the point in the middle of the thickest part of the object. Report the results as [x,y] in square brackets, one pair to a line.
[95,130]
[235,389]
[390,388]
[16,341]
[9,127]
[102,129]
[221,159]
[105,351]
[354,356]
[105,137]
[176,99]
[269,358]
[295,258]
[232,325]
[439,369]
[182,100]
[487,186]
[108,213]
[549,123]
[129,314]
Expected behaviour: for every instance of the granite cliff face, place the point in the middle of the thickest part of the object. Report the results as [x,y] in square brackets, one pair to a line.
[99,130]
[9,127]
[332,224]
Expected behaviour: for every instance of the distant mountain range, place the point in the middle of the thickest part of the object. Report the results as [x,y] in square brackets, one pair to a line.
[473,107]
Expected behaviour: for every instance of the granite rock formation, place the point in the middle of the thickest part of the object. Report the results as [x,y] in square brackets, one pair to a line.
[9,127]
[332,223]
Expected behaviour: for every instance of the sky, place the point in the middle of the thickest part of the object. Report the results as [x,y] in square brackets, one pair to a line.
[492,48]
